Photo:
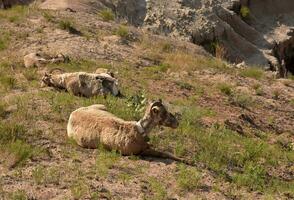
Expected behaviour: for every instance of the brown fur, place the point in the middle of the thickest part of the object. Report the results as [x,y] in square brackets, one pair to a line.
[93,125]
[82,83]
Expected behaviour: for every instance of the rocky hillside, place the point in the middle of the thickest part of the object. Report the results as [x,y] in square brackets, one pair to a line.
[236,123]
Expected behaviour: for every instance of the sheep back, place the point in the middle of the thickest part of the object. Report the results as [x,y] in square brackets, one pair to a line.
[93,125]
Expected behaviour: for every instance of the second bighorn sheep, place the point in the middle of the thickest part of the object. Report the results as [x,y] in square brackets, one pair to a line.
[83,84]
[38,60]
[93,126]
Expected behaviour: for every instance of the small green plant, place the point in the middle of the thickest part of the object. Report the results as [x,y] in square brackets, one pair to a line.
[4,40]
[38,175]
[254,177]
[187,178]
[15,14]
[158,190]
[167,47]
[21,151]
[31,74]
[292,102]
[2,110]
[48,17]
[105,161]
[79,189]
[68,26]
[184,85]
[19,195]
[107,15]
[244,12]
[65,25]
[10,132]
[252,72]
[122,31]
[8,82]
[225,89]
[138,102]
[276,94]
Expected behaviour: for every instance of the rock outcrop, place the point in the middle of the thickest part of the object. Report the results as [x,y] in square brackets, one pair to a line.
[237,30]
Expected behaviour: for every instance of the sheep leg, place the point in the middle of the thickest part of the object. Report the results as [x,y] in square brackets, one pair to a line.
[159,154]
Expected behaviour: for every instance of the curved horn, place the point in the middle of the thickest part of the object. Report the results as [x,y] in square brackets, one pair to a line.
[57,69]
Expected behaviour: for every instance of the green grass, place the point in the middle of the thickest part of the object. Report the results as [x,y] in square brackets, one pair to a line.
[42,175]
[252,72]
[8,82]
[107,15]
[78,65]
[158,190]
[187,178]
[49,17]
[79,189]
[222,150]
[2,110]
[68,25]
[105,161]
[19,195]
[4,40]
[16,14]
[21,151]
[13,142]
[292,102]
[31,74]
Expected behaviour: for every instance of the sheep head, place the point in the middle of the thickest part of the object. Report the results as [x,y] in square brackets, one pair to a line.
[160,115]
[47,80]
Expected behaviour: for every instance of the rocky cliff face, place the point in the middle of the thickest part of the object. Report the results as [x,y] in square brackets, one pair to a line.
[237,30]
[245,30]
[9,3]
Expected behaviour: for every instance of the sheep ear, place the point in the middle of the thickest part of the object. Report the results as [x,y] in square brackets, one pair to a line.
[155,110]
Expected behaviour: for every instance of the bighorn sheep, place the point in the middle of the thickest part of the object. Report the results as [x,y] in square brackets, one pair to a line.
[37,60]
[93,126]
[82,83]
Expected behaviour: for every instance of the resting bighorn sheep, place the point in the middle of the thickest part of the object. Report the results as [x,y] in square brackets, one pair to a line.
[82,83]
[93,126]
[37,60]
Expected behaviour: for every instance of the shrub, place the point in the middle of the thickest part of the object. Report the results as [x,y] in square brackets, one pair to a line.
[65,25]
[244,12]
[225,89]
[107,15]
[242,100]
[68,26]
[122,31]
[252,72]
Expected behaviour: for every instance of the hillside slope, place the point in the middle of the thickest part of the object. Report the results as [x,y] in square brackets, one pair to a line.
[236,124]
